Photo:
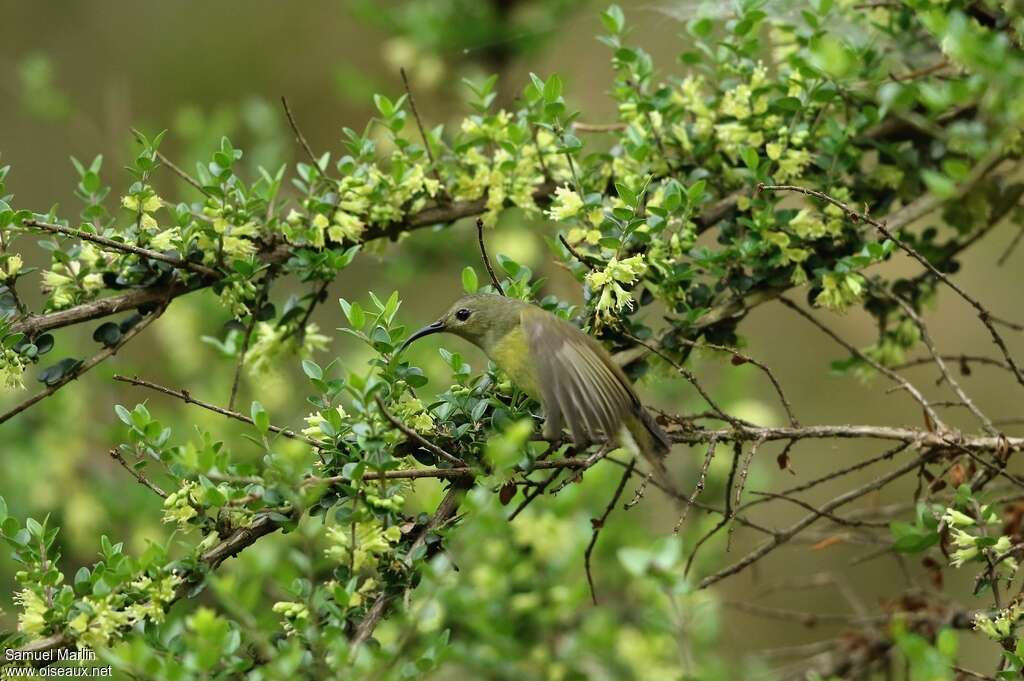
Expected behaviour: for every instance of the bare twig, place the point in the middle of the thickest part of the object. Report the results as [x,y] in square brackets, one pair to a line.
[1011,248]
[880,368]
[737,453]
[785,535]
[941,364]
[598,523]
[419,125]
[143,480]
[486,258]
[712,444]
[298,133]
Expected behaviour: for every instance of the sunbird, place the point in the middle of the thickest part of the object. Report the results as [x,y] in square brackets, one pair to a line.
[568,372]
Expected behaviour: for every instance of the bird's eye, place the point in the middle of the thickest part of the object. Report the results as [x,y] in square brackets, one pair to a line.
[462,314]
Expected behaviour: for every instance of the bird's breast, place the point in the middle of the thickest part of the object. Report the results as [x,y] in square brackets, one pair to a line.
[512,355]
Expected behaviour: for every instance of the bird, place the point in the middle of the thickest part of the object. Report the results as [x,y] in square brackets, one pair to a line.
[570,373]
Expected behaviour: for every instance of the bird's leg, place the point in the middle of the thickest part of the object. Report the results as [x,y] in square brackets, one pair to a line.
[587,463]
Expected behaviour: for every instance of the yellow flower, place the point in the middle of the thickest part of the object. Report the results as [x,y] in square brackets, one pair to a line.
[11,268]
[152,203]
[792,164]
[164,241]
[55,280]
[346,226]
[32,620]
[806,225]
[567,204]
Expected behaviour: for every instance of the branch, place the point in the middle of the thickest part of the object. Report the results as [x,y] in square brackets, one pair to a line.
[111,244]
[88,364]
[909,214]
[783,536]
[275,252]
[187,398]
[922,438]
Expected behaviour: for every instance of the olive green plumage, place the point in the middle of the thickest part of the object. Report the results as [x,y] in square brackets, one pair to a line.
[570,373]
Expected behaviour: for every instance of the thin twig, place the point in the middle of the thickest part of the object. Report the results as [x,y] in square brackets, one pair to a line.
[598,523]
[784,536]
[880,368]
[187,398]
[247,339]
[1011,248]
[737,453]
[746,359]
[423,133]
[143,480]
[941,364]
[712,445]
[298,133]
[174,168]
[486,258]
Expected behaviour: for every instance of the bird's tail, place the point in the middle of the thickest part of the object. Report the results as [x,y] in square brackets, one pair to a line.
[654,445]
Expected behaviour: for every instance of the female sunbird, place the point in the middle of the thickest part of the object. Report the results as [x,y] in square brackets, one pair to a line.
[570,373]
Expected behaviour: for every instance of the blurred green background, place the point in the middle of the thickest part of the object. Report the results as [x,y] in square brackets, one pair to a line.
[76,76]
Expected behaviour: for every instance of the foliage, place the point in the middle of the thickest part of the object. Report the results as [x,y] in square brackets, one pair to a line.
[673,231]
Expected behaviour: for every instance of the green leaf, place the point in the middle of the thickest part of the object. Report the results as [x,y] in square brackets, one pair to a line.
[260,418]
[635,560]
[552,88]
[356,316]
[750,159]
[312,369]
[108,334]
[939,184]
[613,19]
[470,283]
[123,414]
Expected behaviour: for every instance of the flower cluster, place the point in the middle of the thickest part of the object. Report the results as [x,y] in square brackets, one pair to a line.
[610,284]
[970,546]
[274,341]
[371,541]
[179,506]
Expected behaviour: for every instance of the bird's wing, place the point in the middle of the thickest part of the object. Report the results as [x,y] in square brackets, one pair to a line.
[579,382]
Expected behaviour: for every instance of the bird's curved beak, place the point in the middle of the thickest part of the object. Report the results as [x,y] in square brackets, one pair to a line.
[436,327]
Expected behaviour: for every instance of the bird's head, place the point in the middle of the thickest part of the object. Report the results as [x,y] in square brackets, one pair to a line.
[480,318]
